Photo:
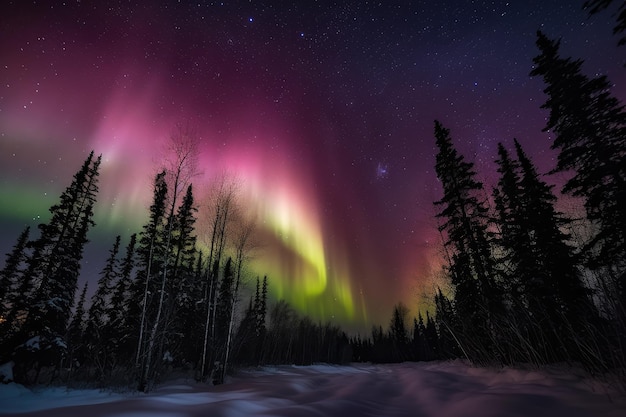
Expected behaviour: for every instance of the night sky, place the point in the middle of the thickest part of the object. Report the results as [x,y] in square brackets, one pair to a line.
[324,110]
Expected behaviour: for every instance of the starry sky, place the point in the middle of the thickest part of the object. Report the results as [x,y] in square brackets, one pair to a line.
[323,109]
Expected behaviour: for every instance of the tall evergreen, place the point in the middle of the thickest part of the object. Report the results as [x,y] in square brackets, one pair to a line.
[55,264]
[101,299]
[225,301]
[76,333]
[11,274]
[550,243]
[447,324]
[546,288]
[465,226]
[589,126]
[150,253]
[182,289]
[98,329]
[120,297]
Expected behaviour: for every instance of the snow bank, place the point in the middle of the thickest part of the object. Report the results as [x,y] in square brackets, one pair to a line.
[450,389]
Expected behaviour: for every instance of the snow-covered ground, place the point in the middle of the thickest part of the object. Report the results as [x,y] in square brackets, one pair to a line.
[410,389]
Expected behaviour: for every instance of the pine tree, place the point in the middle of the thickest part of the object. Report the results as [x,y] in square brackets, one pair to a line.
[98,330]
[589,126]
[465,217]
[76,333]
[432,338]
[398,333]
[16,289]
[447,323]
[101,299]
[120,331]
[181,284]
[512,238]
[261,309]
[547,292]
[55,264]
[150,253]
[552,251]
[225,300]
[420,329]
[11,274]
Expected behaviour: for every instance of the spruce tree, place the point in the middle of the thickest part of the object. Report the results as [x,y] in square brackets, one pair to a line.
[18,299]
[98,322]
[546,291]
[120,331]
[76,334]
[101,299]
[478,298]
[181,288]
[589,126]
[447,324]
[11,273]
[561,292]
[15,292]
[55,264]
[225,300]
[398,333]
[150,253]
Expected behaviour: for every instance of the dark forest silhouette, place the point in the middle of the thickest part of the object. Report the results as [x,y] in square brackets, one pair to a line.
[523,290]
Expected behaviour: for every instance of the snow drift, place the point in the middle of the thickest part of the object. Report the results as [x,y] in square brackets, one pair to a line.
[410,389]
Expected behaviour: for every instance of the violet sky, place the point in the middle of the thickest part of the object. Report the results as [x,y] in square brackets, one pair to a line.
[323,109]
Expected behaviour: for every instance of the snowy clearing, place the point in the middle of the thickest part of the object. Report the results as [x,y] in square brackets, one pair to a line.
[411,389]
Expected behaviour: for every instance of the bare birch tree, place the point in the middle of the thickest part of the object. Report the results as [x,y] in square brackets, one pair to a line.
[180,167]
[244,245]
[220,207]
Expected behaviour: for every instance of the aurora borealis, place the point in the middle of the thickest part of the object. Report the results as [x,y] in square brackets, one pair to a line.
[324,110]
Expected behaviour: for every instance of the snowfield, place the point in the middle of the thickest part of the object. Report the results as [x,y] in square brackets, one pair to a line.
[449,389]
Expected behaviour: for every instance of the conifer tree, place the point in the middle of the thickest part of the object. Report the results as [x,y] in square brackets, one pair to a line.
[120,305]
[432,338]
[101,299]
[55,264]
[150,253]
[11,274]
[551,248]
[547,294]
[478,298]
[98,330]
[398,333]
[225,300]
[589,126]
[446,321]
[181,286]
[76,333]
[512,238]
[261,309]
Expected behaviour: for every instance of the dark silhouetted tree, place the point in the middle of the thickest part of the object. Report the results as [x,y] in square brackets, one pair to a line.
[98,330]
[589,126]
[76,340]
[15,290]
[150,254]
[478,298]
[55,265]
[399,334]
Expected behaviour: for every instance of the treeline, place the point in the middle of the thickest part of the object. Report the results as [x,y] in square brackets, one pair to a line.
[522,288]
[160,303]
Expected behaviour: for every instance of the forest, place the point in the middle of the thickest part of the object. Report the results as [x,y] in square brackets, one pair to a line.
[525,283]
